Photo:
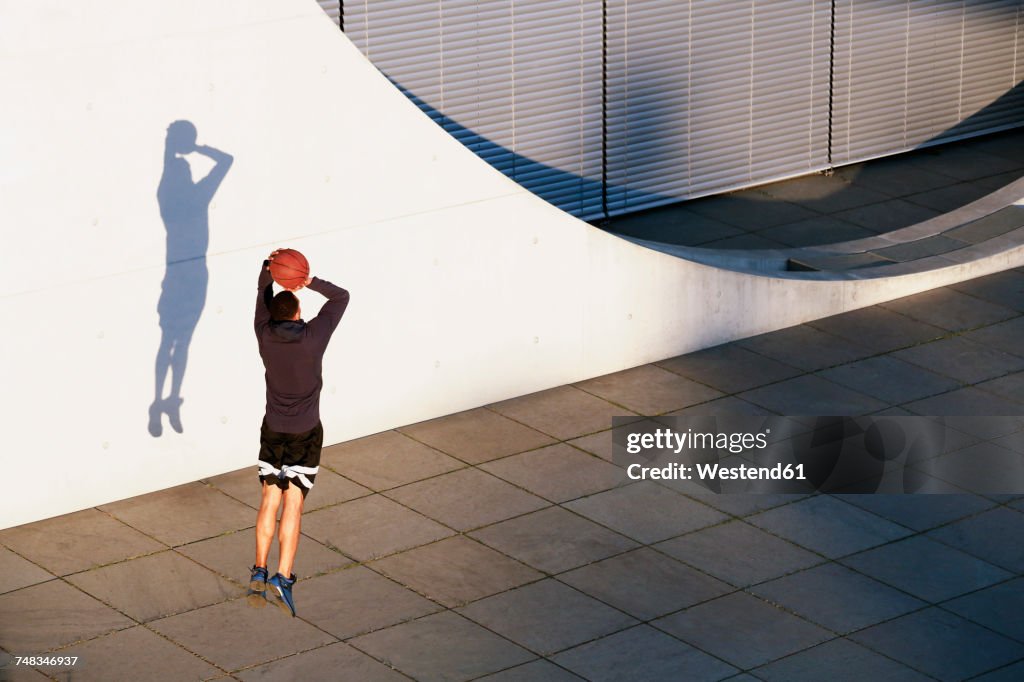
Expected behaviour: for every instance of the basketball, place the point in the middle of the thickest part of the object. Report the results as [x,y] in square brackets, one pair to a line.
[289,268]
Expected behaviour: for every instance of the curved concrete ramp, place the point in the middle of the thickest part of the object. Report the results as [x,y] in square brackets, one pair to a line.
[465,288]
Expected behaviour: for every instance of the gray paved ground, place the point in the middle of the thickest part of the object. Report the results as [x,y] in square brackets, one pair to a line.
[856,201]
[502,542]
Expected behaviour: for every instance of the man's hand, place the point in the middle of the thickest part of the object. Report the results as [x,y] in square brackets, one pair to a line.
[270,258]
[304,284]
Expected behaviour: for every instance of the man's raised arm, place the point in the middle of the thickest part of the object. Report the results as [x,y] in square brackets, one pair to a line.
[265,292]
[331,312]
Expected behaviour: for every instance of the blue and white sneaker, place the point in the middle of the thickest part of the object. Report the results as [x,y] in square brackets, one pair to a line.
[258,581]
[257,596]
[283,588]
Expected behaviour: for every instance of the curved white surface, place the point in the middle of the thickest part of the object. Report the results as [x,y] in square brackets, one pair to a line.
[466,289]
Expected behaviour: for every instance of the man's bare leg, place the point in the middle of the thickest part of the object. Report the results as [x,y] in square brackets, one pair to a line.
[291,524]
[266,520]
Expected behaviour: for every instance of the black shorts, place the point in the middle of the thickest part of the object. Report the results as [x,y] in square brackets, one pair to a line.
[290,457]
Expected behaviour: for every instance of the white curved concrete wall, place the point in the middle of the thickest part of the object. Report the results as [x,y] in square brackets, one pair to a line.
[465,288]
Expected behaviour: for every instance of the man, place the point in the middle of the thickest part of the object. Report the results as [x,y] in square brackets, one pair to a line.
[291,435]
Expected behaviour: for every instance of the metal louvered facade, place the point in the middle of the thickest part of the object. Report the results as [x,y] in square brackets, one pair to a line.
[603,107]
[517,82]
[922,72]
[709,96]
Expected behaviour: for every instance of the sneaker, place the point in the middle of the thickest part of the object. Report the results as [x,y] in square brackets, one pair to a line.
[258,581]
[257,596]
[283,587]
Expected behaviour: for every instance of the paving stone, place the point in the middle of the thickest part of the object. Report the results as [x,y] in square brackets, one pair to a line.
[1007,145]
[642,653]
[646,511]
[444,646]
[895,180]
[564,412]
[10,671]
[649,390]
[739,553]
[1010,387]
[994,225]
[1003,288]
[965,402]
[132,654]
[74,542]
[950,309]
[357,600]
[742,630]
[920,512]
[456,570]
[468,498]
[818,231]
[371,527]
[807,187]
[539,670]
[828,526]
[644,583]
[234,623]
[558,472]
[231,555]
[837,598]
[805,347]
[985,468]
[1000,608]
[991,536]
[1005,336]
[730,368]
[886,216]
[745,504]
[477,435]
[154,586]
[961,359]
[599,444]
[946,199]
[971,429]
[890,380]
[965,163]
[386,460]
[837,661]
[546,616]
[673,224]
[748,209]
[940,644]
[1013,441]
[343,662]
[1010,673]
[184,513]
[42,617]
[727,406]
[812,395]
[16,572]
[553,540]
[748,241]
[330,488]
[920,248]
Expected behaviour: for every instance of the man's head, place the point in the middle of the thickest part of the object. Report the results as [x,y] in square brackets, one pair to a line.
[285,306]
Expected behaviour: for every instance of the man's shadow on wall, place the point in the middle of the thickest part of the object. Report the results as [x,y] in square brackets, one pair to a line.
[184,208]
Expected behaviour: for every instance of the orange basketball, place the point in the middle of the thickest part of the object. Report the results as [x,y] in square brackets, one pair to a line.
[289,268]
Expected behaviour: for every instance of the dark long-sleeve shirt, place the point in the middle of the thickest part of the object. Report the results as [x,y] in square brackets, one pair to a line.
[292,352]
